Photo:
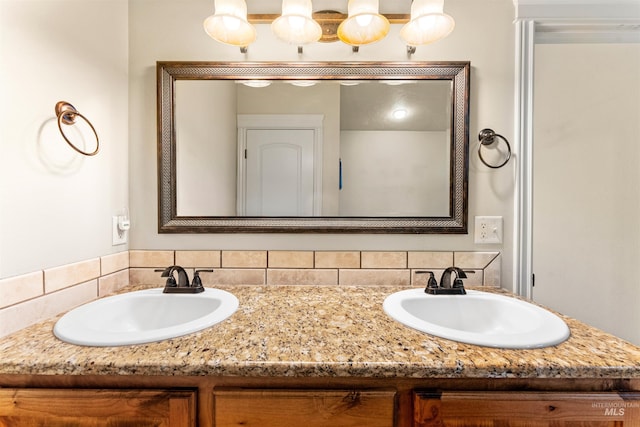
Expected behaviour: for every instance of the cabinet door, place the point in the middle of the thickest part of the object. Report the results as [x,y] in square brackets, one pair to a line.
[97,408]
[304,408]
[519,409]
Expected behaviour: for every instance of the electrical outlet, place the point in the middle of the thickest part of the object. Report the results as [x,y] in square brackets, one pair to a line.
[119,236]
[488,229]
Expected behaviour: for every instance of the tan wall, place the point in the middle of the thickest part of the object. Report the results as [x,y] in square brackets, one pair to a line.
[170,30]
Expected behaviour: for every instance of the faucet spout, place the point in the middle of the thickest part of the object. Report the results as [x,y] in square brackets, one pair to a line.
[445,279]
[183,278]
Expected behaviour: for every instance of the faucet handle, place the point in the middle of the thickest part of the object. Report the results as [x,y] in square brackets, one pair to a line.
[460,274]
[166,272]
[431,282]
[197,281]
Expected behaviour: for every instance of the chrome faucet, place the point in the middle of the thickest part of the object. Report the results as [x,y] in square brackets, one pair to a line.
[182,286]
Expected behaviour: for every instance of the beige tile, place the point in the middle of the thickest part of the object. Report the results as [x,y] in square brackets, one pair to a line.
[36,310]
[113,282]
[474,277]
[473,260]
[244,259]
[384,260]
[71,274]
[430,260]
[302,277]
[146,276]
[157,259]
[114,262]
[333,259]
[20,288]
[374,277]
[493,273]
[198,259]
[290,259]
[231,276]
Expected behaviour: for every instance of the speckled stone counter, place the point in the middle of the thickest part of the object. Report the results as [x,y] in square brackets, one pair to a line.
[319,332]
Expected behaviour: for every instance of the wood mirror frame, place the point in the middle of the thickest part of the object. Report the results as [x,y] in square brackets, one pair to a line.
[170,222]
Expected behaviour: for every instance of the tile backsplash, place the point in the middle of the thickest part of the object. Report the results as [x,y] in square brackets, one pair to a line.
[33,297]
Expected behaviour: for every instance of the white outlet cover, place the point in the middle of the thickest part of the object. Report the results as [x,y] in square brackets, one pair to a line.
[119,237]
[488,230]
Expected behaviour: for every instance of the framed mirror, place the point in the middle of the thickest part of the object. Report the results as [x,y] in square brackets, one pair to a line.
[313,147]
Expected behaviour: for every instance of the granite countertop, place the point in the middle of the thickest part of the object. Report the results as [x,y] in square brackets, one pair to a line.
[319,332]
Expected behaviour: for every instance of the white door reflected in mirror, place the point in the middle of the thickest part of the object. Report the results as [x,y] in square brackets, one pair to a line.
[279,172]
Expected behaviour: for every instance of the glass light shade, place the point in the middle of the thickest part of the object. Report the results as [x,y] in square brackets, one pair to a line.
[428,23]
[295,25]
[229,23]
[364,24]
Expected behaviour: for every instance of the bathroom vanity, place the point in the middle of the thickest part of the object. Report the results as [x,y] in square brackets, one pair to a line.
[317,356]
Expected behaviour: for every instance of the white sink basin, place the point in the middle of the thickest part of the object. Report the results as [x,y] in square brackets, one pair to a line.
[144,316]
[479,318]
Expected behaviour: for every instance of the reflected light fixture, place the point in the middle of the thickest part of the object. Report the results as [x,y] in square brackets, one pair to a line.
[303,83]
[295,25]
[428,24]
[400,114]
[363,25]
[229,24]
[256,83]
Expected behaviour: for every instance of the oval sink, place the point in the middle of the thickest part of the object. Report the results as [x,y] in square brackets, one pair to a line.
[479,318]
[144,316]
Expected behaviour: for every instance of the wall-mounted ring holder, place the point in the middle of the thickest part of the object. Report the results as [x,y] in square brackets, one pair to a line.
[67,115]
[488,137]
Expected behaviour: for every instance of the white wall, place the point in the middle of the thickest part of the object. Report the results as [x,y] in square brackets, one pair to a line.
[56,205]
[586,234]
[172,30]
[206,152]
[377,164]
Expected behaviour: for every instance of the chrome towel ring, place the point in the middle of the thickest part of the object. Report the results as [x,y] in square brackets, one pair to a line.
[67,115]
[488,137]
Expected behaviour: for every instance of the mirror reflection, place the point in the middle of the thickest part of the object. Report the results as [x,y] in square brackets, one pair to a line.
[336,148]
[380,147]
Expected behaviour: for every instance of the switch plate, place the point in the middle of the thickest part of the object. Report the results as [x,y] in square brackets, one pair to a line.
[119,236]
[488,229]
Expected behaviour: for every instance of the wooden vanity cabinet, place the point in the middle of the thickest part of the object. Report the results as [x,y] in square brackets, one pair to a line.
[97,408]
[305,408]
[531,409]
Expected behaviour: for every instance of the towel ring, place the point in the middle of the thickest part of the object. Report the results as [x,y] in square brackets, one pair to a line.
[67,114]
[488,137]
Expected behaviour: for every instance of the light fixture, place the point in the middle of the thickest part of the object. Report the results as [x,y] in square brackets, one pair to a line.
[363,25]
[229,24]
[428,24]
[296,25]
